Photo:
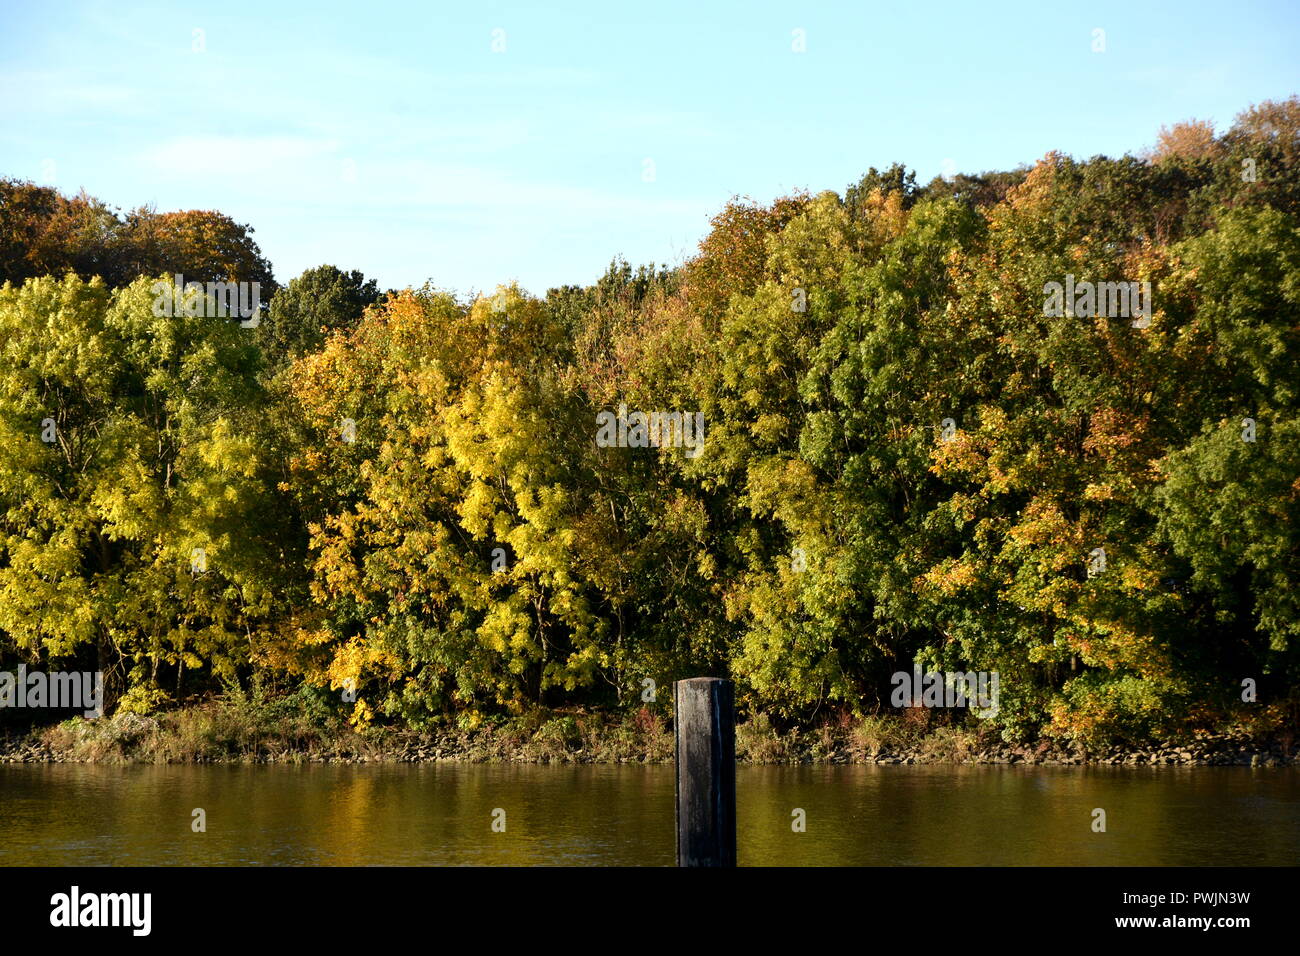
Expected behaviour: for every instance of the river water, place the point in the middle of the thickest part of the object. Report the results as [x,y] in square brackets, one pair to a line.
[403,814]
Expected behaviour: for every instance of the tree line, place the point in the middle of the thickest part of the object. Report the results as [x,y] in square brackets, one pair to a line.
[401,504]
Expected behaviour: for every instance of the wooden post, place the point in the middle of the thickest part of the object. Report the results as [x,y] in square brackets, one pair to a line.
[704,718]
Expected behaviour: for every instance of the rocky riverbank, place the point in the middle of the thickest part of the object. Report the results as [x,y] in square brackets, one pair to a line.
[212,734]
[1220,750]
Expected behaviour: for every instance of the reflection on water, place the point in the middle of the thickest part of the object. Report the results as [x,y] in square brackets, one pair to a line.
[619,815]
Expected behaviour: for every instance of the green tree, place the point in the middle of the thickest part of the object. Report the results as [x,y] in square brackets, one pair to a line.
[318,303]
[131,489]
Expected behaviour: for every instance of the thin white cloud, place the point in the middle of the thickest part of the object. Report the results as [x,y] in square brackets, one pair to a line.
[35,91]
[234,156]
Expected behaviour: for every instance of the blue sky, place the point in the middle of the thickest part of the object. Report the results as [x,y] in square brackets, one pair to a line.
[391,137]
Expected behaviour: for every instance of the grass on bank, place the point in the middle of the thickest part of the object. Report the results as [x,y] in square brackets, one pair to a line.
[306,726]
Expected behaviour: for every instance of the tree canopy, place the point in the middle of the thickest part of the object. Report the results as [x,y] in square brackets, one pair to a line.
[908,457]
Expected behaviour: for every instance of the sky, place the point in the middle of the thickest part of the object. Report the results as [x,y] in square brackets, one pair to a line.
[471,144]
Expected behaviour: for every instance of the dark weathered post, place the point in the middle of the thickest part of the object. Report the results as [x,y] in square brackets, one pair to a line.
[704,715]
